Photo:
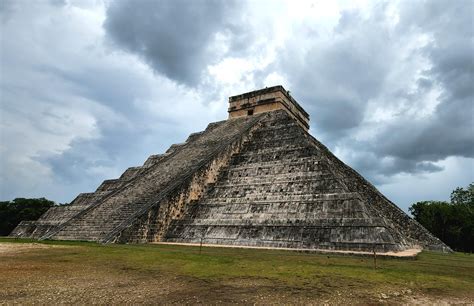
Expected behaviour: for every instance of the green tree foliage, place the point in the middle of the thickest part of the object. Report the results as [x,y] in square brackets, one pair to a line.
[20,209]
[452,222]
[461,196]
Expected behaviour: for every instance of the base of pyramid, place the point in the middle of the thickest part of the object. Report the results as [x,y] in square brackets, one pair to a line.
[408,253]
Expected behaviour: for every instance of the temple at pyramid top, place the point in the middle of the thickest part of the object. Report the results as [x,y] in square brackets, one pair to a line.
[265,100]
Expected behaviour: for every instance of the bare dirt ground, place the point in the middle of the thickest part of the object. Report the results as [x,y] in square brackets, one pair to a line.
[10,249]
[29,276]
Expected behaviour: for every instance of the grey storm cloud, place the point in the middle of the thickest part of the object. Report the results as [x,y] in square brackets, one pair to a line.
[450,130]
[340,78]
[118,146]
[99,101]
[73,117]
[175,37]
[7,7]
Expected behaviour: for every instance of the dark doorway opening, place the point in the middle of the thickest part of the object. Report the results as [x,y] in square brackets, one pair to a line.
[250,112]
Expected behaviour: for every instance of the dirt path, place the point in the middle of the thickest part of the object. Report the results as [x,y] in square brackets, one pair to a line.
[12,249]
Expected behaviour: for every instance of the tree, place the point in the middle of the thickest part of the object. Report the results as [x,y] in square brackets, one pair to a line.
[452,222]
[20,209]
[461,196]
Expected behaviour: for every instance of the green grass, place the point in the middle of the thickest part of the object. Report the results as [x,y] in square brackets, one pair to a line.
[429,273]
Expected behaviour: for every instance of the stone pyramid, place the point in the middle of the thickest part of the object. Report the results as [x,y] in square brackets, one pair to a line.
[256,179]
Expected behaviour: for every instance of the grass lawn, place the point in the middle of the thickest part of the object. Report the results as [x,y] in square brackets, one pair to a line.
[81,272]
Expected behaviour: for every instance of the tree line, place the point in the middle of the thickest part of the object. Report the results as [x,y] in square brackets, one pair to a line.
[453,221]
[13,212]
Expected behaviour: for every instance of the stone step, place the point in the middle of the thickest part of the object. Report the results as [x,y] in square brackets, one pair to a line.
[295,244]
[253,218]
[283,206]
[276,190]
[151,161]
[295,180]
[276,163]
[287,222]
[319,236]
[277,141]
[275,154]
[288,172]
[329,196]
[281,128]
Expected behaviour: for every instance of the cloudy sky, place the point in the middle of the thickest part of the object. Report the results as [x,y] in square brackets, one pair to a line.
[89,88]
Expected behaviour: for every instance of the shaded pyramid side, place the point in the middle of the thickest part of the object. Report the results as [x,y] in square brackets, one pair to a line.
[285,189]
[406,230]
